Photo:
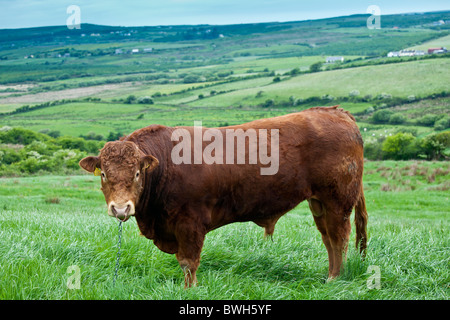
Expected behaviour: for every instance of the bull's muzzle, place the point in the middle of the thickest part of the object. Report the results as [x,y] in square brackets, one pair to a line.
[122,211]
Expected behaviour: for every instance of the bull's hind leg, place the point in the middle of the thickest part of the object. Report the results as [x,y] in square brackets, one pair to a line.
[338,230]
[334,227]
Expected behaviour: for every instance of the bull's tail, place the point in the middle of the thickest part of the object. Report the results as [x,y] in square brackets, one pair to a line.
[361,223]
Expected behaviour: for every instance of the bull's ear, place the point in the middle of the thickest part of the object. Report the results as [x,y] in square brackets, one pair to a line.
[90,163]
[149,163]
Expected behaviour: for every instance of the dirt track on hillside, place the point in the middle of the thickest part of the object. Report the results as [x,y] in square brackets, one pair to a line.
[63,94]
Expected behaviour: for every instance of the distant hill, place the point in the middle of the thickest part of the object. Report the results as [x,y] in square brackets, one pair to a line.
[64,36]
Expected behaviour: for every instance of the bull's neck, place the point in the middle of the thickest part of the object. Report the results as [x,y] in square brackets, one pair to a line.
[152,194]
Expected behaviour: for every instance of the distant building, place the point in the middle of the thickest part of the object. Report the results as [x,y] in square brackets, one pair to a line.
[135,51]
[334,59]
[439,23]
[393,54]
[405,53]
[118,51]
[147,50]
[437,50]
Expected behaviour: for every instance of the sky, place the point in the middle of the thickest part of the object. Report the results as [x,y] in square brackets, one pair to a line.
[36,13]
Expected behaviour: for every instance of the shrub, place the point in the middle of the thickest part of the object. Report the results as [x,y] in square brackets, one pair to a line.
[92,136]
[43,154]
[399,147]
[413,131]
[191,79]
[442,124]
[113,136]
[294,71]
[145,100]
[72,143]
[381,116]
[373,150]
[43,148]
[269,103]
[224,74]
[21,136]
[130,99]
[30,165]
[315,67]
[427,120]
[433,146]
[444,138]
[8,156]
[397,118]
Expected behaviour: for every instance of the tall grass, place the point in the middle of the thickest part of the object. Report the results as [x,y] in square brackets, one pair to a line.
[40,239]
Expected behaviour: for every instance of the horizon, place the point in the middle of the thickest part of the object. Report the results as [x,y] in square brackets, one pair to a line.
[22,14]
[225,24]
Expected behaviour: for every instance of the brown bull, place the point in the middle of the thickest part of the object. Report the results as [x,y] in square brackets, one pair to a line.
[319,159]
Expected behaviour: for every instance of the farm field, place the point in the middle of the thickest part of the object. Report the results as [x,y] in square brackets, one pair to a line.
[416,78]
[51,223]
[63,95]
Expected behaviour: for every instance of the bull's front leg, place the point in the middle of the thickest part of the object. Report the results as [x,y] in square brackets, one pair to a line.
[190,237]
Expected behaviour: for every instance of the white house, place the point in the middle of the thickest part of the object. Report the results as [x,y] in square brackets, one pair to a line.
[407,53]
[334,59]
[393,54]
[135,51]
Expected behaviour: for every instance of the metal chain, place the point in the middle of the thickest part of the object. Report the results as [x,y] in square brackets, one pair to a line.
[118,253]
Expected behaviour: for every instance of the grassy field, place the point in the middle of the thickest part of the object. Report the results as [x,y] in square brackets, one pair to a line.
[51,223]
[231,102]
[402,79]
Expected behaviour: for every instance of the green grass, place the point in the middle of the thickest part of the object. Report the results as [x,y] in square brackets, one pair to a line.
[401,80]
[436,43]
[408,241]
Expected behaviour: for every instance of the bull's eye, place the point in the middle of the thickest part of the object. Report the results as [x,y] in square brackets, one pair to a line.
[137,174]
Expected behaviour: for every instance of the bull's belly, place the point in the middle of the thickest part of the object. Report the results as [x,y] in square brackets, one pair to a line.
[261,212]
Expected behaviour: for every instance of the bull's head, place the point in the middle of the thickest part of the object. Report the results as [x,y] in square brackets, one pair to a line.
[121,166]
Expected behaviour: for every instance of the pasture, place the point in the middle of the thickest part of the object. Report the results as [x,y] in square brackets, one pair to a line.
[51,223]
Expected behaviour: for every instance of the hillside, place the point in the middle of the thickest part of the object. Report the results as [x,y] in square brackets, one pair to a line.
[107,81]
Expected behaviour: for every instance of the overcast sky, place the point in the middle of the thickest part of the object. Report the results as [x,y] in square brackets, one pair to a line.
[34,13]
